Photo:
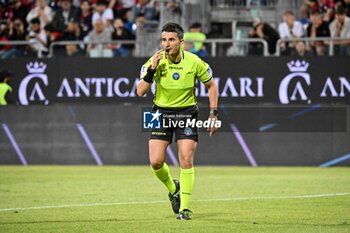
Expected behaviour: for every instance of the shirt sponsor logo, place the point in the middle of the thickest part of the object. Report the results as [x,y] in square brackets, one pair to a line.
[175,68]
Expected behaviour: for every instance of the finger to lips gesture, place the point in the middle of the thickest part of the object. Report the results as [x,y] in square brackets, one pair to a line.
[156,58]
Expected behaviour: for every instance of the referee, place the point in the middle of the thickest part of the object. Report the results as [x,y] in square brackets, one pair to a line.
[5,89]
[175,72]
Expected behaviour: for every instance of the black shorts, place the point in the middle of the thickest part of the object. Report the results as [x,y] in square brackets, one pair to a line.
[170,117]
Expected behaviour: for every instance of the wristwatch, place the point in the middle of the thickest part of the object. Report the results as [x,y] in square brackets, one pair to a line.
[214,112]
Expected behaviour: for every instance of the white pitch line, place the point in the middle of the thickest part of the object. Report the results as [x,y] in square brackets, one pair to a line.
[277,197]
[161,202]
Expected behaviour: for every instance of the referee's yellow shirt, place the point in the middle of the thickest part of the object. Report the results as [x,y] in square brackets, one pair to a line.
[175,83]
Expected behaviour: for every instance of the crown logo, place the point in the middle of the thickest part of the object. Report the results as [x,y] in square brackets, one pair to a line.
[36,67]
[298,66]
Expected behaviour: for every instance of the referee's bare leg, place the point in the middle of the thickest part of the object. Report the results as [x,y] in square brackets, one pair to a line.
[187,148]
[157,151]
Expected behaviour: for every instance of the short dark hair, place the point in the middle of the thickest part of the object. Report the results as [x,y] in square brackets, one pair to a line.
[315,12]
[174,27]
[196,25]
[35,21]
[102,2]
[5,74]
[339,10]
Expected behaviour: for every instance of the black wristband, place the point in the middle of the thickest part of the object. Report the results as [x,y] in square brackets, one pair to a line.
[149,76]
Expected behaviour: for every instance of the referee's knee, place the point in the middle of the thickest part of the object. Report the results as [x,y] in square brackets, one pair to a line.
[157,164]
[186,162]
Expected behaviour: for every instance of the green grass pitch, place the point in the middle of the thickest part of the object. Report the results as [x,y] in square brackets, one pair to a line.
[130,199]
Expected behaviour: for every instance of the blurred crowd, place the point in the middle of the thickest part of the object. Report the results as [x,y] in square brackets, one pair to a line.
[317,19]
[97,22]
[43,22]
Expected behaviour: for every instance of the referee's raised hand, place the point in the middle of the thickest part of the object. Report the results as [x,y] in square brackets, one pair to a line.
[156,58]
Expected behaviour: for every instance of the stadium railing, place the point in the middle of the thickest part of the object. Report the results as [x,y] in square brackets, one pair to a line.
[235,42]
[329,43]
[81,43]
[20,42]
[243,3]
[213,44]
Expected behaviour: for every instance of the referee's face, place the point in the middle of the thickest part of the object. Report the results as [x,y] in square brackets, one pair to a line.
[171,43]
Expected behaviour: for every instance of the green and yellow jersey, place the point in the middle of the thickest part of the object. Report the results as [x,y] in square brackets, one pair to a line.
[197,36]
[4,88]
[175,83]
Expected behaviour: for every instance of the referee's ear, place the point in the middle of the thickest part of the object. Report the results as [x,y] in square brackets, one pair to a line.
[182,43]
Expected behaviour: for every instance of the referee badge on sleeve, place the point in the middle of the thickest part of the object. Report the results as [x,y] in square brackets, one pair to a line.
[210,72]
[143,71]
